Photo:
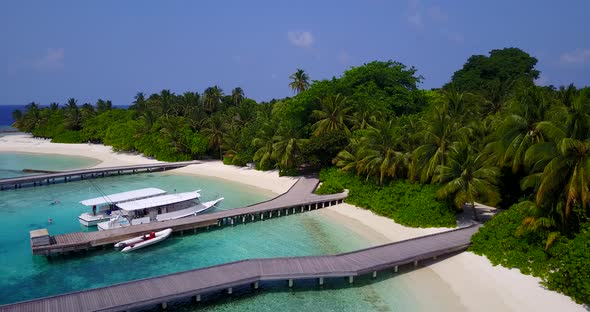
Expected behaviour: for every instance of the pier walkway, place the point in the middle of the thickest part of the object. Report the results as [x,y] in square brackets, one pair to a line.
[299,198]
[160,290]
[65,176]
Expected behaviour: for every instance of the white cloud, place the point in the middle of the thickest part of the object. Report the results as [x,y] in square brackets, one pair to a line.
[53,60]
[301,39]
[577,56]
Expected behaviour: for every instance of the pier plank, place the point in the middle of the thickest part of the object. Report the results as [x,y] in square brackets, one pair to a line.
[301,193]
[145,292]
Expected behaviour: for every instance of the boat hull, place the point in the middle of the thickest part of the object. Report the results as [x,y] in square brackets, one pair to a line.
[141,242]
[89,220]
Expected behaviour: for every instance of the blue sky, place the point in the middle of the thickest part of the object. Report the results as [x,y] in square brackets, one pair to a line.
[53,50]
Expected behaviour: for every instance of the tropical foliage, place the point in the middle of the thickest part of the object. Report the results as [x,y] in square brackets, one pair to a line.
[490,135]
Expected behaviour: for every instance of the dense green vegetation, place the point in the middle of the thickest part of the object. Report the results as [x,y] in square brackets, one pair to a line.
[489,135]
[564,267]
[410,204]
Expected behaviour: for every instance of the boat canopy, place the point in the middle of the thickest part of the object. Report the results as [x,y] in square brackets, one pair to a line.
[125,196]
[158,201]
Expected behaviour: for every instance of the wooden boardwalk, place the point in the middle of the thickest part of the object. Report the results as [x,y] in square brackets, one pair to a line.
[160,290]
[65,176]
[299,198]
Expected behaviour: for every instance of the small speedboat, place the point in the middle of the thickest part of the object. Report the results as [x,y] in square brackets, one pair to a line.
[143,241]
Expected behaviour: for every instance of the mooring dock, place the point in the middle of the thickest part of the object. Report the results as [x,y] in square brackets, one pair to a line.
[65,176]
[299,198]
[193,284]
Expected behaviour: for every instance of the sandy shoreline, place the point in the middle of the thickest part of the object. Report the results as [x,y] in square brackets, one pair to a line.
[478,285]
[267,180]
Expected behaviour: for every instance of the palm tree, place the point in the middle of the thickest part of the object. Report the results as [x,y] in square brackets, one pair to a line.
[287,149]
[467,177]
[440,133]
[363,117]
[381,152]
[139,103]
[237,96]
[300,81]
[332,116]
[519,130]
[264,141]
[214,132]
[212,98]
[378,153]
[32,117]
[73,117]
[103,106]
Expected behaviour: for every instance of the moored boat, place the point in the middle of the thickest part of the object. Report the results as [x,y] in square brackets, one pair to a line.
[104,206]
[143,241]
[160,208]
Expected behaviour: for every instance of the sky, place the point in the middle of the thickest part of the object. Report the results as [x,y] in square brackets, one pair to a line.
[54,50]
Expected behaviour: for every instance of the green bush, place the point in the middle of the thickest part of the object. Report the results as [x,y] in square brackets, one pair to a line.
[571,274]
[227,160]
[330,187]
[565,267]
[290,172]
[67,136]
[498,241]
[410,204]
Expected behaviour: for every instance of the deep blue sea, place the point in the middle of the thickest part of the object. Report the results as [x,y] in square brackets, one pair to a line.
[6,114]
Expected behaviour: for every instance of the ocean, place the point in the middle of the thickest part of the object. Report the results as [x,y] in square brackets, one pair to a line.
[25,276]
[6,114]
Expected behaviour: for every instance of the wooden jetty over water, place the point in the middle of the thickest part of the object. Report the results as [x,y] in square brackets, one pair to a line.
[65,176]
[299,198]
[193,284]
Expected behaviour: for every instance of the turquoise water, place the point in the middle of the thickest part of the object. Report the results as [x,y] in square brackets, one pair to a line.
[12,164]
[26,277]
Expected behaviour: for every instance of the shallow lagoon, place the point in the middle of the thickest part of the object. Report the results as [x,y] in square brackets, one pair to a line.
[27,277]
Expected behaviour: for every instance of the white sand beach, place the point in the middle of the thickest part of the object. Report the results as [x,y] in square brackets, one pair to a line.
[478,285]
[25,143]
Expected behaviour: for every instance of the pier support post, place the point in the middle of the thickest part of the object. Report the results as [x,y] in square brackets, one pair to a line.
[252,218]
[415,263]
[321,281]
[374,274]
[290,283]
[230,291]
[243,219]
[197,298]
[255,285]
[164,305]
[262,216]
[395,269]
[293,210]
[232,221]
[279,213]
[350,279]
[434,257]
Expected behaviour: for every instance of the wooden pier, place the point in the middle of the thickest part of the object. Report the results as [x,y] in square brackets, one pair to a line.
[193,284]
[66,176]
[299,198]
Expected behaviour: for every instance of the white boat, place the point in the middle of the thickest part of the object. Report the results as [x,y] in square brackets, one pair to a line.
[143,241]
[107,204]
[160,208]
